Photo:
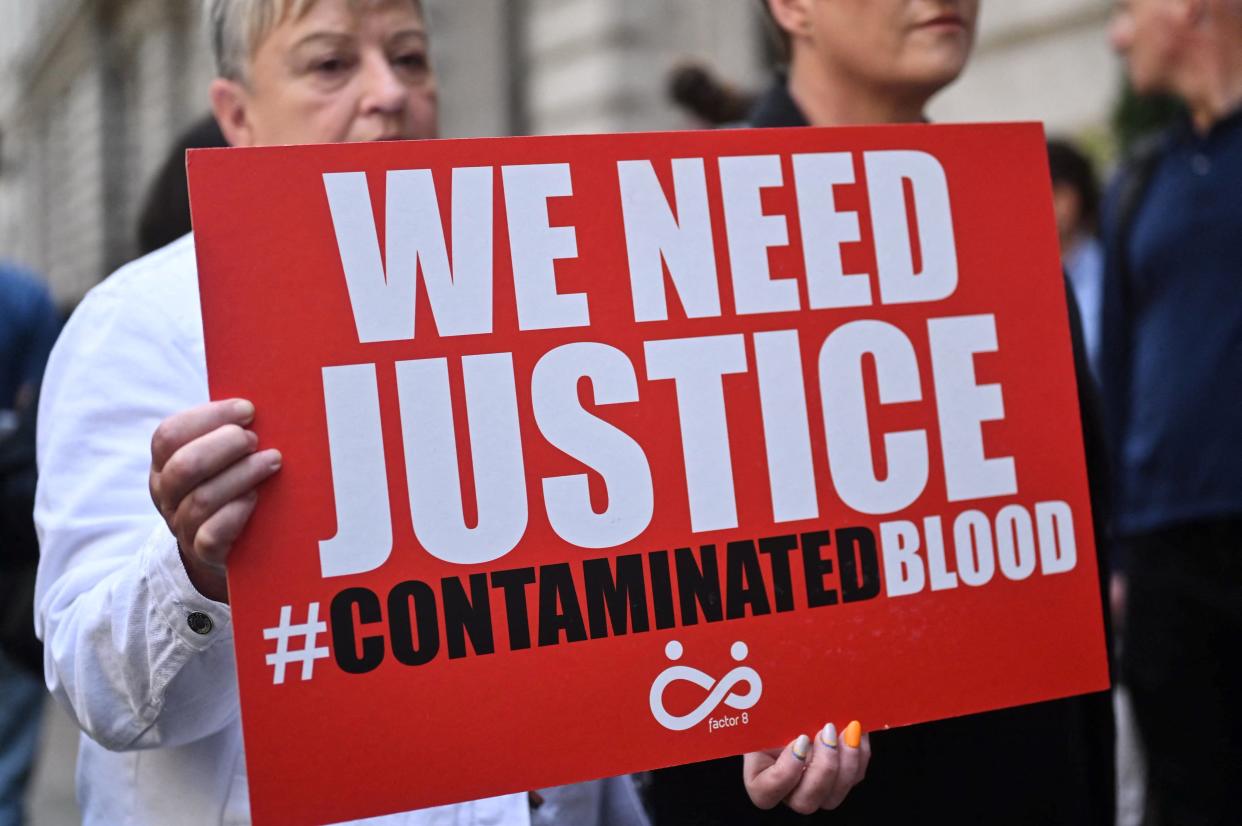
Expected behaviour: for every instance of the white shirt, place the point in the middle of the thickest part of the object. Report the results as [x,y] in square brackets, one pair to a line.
[156,701]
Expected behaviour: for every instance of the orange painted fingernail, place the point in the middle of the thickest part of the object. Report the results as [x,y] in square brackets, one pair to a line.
[801,746]
[853,734]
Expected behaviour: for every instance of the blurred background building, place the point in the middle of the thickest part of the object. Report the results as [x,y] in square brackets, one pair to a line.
[92,92]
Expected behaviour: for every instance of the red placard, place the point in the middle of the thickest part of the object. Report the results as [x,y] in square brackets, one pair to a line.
[604,453]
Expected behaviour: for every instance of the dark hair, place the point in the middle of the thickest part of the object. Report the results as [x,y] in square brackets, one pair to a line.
[1070,166]
[165,215]
[696,88]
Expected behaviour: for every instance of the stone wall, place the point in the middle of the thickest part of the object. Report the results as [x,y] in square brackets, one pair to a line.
[97,91]
[92,92]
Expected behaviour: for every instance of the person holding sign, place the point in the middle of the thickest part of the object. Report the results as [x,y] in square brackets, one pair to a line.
[132,601]
[855,62]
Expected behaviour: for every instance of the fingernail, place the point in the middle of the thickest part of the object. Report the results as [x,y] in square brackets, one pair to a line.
[801,746]
[243,409]
[829,736]
[853,734]
[277,460]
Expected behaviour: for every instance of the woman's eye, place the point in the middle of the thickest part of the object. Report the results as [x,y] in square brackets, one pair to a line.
[330,65]
[414,61]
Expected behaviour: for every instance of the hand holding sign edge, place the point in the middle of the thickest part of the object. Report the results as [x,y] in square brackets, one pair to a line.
[205,471]
[808,775]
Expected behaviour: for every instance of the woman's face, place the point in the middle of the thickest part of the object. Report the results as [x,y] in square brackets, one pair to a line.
[1148,33]
[344,71]
[915,45]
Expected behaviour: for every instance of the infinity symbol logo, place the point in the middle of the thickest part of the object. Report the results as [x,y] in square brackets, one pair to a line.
[718,691]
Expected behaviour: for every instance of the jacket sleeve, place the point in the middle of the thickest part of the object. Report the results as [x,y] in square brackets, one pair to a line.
[113,601]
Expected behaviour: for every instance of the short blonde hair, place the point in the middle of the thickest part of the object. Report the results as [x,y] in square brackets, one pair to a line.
[237,27]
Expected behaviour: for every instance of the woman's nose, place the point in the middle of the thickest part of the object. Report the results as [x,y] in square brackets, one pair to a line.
[384,91]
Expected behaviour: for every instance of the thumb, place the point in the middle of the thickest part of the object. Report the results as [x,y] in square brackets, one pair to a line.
[769,782]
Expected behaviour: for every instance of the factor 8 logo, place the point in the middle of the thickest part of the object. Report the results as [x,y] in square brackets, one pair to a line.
[718,690]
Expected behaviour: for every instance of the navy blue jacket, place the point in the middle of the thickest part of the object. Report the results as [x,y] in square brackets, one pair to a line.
[1171,355]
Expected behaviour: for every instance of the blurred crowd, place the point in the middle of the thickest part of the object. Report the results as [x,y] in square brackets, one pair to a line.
[1152,259]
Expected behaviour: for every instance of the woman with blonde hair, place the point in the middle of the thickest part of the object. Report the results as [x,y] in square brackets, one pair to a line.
[132,600]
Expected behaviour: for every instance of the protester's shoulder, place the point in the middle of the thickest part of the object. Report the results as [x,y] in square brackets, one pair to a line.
[161,286]
[20,288]
[146,306]
[14,277]
[167,273]
[1134,170]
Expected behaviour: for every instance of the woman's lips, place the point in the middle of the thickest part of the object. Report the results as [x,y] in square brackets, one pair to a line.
[945,21]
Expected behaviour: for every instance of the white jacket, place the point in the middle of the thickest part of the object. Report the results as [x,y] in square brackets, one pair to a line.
[156,701]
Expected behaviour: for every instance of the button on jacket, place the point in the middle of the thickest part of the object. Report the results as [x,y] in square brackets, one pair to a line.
[136,655]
